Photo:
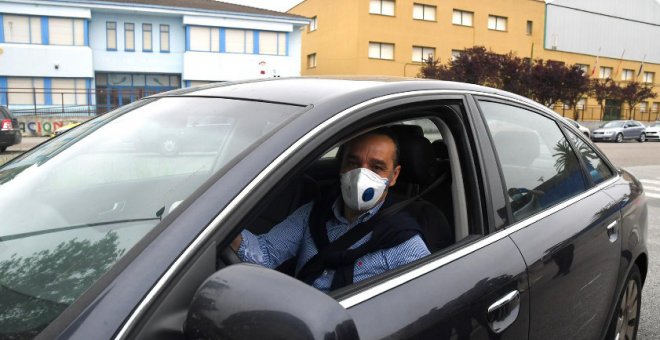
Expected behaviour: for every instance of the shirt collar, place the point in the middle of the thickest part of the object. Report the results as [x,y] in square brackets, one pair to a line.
[338,206]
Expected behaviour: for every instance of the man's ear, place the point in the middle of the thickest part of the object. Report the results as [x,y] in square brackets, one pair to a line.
[397,170]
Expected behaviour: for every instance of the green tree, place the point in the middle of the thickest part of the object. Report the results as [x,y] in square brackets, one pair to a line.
[634,93]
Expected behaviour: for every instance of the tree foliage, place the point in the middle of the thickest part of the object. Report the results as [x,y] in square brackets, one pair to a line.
[547,82]
[634,93]
[35,289]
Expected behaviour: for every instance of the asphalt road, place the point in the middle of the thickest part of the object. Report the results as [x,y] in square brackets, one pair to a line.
[643,160]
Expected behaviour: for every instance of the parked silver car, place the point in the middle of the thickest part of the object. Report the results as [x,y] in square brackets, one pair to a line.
[620,130]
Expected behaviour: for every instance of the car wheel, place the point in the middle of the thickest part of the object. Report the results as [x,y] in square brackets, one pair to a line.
[642,138]
[626,316]
[619,138]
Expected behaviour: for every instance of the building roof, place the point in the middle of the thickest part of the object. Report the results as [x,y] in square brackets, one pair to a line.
[208,5]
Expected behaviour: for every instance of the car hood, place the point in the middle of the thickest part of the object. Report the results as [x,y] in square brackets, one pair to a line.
[653,129]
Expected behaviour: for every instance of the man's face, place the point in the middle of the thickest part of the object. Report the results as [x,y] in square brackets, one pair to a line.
[373,152]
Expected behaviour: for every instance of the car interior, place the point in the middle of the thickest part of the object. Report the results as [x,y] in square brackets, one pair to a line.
[430,169]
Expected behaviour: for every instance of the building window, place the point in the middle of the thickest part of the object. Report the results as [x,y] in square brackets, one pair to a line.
[164,38]
[581,104]
[462,18]
[424,12]
[25,91]
[311,60]
[111,35]
[22,29]
[583,67]
[69,91]
[147,43]
[68,32]
[273,43]
[530,26]
[421,53]
[239,41]
[129,37]
[649,77]
[455,54]
[381,51]
[313,24]
[204,39]
[655,107]
[627,74]
[643,106]
[381,7]
[496,23]
[605,72]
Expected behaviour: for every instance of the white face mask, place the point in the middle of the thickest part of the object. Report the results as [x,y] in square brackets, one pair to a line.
[362,188]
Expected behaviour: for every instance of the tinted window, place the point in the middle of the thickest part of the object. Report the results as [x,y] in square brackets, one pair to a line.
[597,168]
[539,166]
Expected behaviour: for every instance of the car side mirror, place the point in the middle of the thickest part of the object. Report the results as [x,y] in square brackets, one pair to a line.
[246,301]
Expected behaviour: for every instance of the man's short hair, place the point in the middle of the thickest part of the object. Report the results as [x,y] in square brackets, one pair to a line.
[382,131]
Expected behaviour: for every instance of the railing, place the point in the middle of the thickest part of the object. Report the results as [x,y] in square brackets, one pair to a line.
[595,112]
[69,103]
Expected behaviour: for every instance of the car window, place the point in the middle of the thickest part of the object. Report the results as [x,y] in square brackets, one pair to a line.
[618,123]
[539,166]
[4,113]
[74,206]
[596,166]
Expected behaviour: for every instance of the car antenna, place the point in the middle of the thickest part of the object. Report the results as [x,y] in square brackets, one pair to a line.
[160,212]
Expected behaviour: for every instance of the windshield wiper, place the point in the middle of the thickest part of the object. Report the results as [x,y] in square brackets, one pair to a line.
[79,226]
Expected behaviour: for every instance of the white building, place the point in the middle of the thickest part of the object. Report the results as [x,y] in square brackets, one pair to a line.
[73,55]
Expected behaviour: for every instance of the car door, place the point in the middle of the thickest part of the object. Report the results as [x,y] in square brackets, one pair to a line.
[475,290]
[629,130]
[566,229]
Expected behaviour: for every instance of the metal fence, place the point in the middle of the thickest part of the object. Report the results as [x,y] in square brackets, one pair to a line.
[69,102]
[595,112]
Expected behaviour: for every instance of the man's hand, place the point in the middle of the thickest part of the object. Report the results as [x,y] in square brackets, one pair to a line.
[236,243]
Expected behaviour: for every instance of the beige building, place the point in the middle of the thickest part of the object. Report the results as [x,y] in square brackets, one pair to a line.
[392,37]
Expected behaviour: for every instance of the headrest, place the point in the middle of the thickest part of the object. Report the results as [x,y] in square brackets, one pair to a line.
[416,159]
[440,149]
[402,130]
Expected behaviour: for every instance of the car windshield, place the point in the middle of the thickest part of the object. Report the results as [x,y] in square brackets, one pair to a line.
[72,207]
[618,123]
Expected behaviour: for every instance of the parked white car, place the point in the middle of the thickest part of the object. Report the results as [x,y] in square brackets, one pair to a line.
[580,127]
[653,131]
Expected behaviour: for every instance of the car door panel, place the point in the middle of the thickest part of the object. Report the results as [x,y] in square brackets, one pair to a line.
[573,264]
[451,302]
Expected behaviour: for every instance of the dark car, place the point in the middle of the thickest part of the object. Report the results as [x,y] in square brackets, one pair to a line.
[620,130]
[533,232]
[10,134]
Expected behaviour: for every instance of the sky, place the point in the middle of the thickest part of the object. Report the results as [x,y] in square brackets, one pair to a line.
[275,5]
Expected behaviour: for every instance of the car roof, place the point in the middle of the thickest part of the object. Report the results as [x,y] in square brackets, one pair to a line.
[306,91]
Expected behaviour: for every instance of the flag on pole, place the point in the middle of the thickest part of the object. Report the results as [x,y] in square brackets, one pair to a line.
[618,67]
[593,70]
[641,66]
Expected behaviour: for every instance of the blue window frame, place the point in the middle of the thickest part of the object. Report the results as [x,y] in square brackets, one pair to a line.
[129,37]
[164,38]
[111,35]
[147,38]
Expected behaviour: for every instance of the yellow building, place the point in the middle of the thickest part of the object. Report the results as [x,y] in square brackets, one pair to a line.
[392,37]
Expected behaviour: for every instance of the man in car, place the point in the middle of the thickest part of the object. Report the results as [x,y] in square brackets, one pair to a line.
[356,241]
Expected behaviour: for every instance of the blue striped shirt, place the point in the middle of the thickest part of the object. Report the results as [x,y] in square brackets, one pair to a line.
[292,237]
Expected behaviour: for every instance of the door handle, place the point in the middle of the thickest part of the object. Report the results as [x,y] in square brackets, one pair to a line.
[503,312]
[612,231]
